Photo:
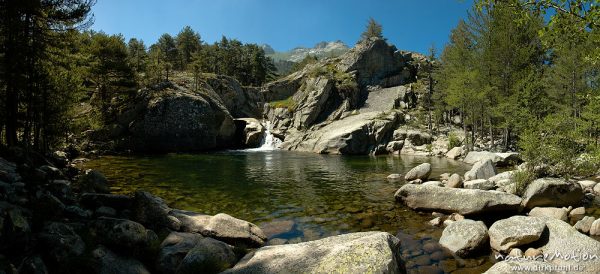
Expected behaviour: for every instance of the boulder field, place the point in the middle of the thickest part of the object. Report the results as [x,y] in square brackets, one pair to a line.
[545,233]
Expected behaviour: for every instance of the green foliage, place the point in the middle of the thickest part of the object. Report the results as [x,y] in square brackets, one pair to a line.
[110,72]
[522,180]
[309,59]
[287,103]
[453,140]
[246,62]
[558,142]
[188,43]
[373,30]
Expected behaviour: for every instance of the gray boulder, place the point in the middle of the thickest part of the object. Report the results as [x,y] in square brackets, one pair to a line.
[465,237]
[551,212]
[552,192]
[515,231]
[119,232]
[252,132]
[222,227]
[478,156]
[359,134]
[93,181]
[208,256]
[584,225]
[481,170]
[455,181]
[456,200]
[454,153]
[362,252]
[482,184]
[173,249]
[153,211]
[107,262]
[421,172]
[565,239]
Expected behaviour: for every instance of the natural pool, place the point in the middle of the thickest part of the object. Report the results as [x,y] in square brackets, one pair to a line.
[296,197]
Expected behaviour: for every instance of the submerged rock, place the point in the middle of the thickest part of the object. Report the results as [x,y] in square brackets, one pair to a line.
[421,172]
[465,237]
[463,201]
[552,192]
[362,252]
[515,231]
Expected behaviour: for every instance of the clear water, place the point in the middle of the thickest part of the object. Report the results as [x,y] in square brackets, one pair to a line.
[296,197]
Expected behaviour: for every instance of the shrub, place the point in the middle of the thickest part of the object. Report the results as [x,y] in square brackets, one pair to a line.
[522,179]
[453,140]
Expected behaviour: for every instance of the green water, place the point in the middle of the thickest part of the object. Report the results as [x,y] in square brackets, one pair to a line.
[295,197]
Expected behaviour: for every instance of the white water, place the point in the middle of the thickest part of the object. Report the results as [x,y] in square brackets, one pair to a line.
[269,141]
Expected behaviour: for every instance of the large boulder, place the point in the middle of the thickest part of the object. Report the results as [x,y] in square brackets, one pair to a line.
[152,211]
[222,227]
[208,256]
[421,171]
[482,184]
[465,237]
[120,233]
[363,252]
[93,181]
[478,156]
[174,118]
[377,64]
[552,212]
[566,240]
[173,249]
[552,192]
[250,132]
[357,134]
[454,153]
[456,200]
[239,101]
[515,231]
[481,170]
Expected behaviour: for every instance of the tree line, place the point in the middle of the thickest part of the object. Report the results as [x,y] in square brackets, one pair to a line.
[514,72]
[50,62]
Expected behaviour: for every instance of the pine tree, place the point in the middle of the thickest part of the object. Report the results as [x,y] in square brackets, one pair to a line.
[167,46]
[110,72]
[188,43]
[373,30]
[137,55]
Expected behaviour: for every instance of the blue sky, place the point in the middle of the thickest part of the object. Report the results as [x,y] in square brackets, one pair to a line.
[284,24]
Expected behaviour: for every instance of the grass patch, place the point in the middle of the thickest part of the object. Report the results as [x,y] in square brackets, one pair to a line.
[522,180]
[288,103]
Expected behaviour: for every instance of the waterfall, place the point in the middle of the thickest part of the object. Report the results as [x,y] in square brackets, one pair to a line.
[269,141]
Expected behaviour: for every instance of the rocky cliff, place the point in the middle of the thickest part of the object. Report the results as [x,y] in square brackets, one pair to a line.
[181,115]
[346,105]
